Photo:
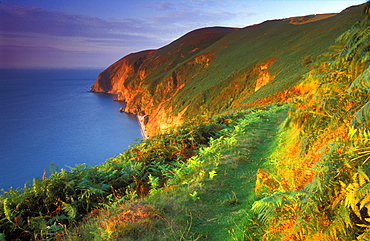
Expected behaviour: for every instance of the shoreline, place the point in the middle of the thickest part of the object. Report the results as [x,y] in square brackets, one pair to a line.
[141,119]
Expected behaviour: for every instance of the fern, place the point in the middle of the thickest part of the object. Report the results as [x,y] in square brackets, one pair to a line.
[362,81]
[7,210]
[362,117]
[332,116]
[266,207]
[69,209]
[340,227]
[364,236]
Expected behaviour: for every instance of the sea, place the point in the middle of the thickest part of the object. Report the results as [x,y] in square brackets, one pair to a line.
[49,119]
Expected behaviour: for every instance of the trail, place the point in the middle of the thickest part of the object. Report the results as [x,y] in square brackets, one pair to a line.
[222,212]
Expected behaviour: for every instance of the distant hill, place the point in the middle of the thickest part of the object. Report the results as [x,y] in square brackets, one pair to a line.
[210,70]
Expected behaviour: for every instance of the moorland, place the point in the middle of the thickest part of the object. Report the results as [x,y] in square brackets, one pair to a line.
[259,133]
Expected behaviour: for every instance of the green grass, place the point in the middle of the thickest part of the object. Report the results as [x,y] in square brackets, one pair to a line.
[171,172]
[197,181]
[213,202]
[207,197]
[229,77]
[223,210]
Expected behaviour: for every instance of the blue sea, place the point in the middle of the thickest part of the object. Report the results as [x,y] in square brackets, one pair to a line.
[49,117]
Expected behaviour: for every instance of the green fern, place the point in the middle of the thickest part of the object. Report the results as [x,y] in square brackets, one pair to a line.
[340,227]
[69,209]
[7,210]
[266,207]
[362,117]
[336,203]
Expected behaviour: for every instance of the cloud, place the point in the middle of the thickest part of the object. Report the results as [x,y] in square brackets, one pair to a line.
[35,34]
[187,13]
[49,57]
[175,18]
[35,20]
[56,32]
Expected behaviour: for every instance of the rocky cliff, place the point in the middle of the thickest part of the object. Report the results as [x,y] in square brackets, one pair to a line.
[209,70]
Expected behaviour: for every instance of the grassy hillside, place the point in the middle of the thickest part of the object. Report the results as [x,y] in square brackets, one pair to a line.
[296,168]
[210,70]
[319,174]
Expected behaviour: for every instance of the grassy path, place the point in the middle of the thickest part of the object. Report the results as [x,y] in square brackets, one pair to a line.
[221,207]
[222,212]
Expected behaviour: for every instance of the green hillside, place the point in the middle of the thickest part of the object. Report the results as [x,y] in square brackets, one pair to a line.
[289,162]
[210,70]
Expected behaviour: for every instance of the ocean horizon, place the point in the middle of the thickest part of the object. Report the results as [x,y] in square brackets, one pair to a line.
[50,118]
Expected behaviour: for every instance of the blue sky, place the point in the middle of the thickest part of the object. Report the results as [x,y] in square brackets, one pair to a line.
[96,33]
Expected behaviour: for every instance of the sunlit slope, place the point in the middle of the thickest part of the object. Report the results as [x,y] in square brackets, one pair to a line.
[294,170]
[210,70]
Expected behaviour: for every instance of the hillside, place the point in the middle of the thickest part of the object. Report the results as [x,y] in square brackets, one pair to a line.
[210,70]
[286,165]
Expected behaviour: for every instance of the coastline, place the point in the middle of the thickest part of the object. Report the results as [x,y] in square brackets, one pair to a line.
[141,119]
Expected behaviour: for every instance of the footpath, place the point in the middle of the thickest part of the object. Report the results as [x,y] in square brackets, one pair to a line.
[223,209]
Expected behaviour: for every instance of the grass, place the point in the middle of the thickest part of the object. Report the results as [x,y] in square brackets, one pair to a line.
[223,210]
[214,207]
[197,182]
[177,81]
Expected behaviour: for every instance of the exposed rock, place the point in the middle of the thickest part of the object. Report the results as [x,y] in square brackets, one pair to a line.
[209,70]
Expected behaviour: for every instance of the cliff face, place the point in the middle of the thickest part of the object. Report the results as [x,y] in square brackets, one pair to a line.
[147,80]
[210,70]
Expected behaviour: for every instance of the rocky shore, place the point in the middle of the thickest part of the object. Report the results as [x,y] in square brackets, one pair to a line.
[141,119]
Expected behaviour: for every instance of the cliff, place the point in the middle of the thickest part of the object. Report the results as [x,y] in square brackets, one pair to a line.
[210,70]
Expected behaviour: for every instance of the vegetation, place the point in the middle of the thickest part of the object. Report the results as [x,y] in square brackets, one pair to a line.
[295,170]
[208,197]
[210,70]
[319,186]
[45,208]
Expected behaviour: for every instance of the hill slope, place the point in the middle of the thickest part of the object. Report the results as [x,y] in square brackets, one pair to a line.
[297,170]
[210,70]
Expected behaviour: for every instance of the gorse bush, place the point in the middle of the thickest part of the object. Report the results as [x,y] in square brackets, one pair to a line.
[320,176]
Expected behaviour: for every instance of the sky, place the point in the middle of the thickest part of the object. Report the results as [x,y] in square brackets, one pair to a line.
[96,33]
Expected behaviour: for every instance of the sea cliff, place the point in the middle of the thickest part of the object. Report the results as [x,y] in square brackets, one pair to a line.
[210,70]
[297,170]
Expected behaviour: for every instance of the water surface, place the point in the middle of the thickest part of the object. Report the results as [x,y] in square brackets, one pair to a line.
[48,116]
